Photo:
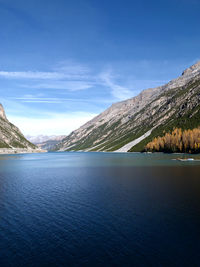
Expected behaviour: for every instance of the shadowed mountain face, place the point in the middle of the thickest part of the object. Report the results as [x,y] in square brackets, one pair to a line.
[130,124]
[10,135]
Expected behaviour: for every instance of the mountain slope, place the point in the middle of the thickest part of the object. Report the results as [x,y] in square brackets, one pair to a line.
[11,139]
[152,111]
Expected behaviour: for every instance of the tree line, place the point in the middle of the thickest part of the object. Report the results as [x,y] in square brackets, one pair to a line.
[178,141]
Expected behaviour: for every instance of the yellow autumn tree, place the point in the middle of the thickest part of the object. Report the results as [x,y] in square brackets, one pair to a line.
[187,141]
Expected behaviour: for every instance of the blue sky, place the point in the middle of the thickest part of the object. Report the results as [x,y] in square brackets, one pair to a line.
[62,62]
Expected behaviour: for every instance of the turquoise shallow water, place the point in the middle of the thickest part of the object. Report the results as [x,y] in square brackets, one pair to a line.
[99,209]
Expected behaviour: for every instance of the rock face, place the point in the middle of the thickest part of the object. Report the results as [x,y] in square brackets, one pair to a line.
[2,112]
[11,139]
[154,110]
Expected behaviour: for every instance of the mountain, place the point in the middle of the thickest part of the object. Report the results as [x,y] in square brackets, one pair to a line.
[129,125]
[11,139]
[43,138]
[46,142]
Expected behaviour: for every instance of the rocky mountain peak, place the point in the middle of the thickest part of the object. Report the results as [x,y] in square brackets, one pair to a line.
[2,112]
[193,70]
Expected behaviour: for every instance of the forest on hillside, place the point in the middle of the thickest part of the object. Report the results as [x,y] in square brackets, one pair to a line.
[178,141]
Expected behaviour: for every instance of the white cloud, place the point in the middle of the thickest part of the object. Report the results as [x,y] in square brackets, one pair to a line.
[32,99]
[67,85]
[69,76]
[40,75]
[63,71]
[118,91]
[57,124]
[32,75]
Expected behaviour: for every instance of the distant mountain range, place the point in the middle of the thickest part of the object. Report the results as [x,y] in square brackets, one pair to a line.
[129,125]
[45,141]
[43,138]
[11,138]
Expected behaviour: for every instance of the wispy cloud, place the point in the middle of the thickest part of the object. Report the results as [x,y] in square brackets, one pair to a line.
[63,71]
[63,85]
[119,92]
[39,75]
[31,99]
[59,100]
[32,75]
[69,76]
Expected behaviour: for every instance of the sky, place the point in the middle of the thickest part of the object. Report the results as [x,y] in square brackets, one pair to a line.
[63,62]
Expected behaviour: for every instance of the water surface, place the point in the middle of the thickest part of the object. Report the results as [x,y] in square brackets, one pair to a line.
[99,209]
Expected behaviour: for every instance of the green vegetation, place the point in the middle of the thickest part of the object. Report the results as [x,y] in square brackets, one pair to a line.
[17,144]
[184,117]
[186,122]
[13,135]
[4,145]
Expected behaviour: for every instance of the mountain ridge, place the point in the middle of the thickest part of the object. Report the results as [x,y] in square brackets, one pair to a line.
[128,120]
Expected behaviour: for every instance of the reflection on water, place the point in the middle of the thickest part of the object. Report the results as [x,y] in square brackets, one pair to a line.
[99,209]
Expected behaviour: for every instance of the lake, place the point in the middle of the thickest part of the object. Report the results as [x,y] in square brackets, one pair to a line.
[99,209]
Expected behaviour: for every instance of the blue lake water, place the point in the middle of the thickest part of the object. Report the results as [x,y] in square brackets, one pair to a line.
[99,209]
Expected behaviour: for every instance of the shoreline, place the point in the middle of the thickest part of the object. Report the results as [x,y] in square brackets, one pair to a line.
[7,151]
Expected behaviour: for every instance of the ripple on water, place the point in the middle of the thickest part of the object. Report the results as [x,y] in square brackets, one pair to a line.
[101,209]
